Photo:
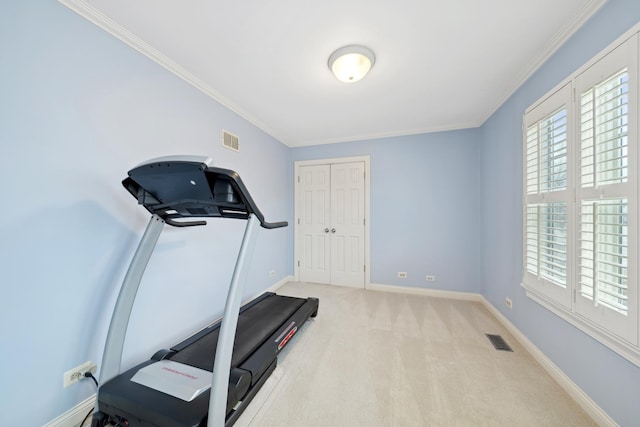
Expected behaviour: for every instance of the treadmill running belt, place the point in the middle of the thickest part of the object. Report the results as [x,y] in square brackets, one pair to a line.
[255,325]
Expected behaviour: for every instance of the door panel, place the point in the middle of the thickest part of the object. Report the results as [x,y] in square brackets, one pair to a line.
[314,220]
[347,219]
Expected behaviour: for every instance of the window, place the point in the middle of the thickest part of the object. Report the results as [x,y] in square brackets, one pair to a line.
[547,195]
[581,199]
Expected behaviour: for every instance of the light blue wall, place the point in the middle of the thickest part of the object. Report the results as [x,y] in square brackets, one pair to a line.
[610,380]
[425,207]
[78,109]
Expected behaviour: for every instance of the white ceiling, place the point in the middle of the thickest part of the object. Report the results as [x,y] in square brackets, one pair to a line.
[440,65]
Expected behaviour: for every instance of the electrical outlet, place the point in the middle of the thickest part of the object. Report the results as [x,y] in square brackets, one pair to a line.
[402,274]
[431,278]
[76,374]
[272,273]
[509,303]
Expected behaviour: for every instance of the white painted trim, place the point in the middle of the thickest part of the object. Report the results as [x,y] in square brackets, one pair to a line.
[597,332]
[581,398]
[380,135]
[552,47]
[332,160]
[426,292]
[569,313]
[74,416]
[576,393]
[367,209]
[272,288]
[595,59]
[84,9]
[279,284]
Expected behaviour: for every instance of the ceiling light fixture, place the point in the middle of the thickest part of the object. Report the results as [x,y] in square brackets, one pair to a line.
[351,63]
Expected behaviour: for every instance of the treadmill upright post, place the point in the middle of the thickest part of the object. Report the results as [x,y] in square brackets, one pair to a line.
[112,355]
[226,337]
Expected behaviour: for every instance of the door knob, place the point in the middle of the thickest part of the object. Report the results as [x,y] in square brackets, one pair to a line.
[326,230]
[333,230]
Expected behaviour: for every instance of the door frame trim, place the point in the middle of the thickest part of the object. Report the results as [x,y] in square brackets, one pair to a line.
[367,210]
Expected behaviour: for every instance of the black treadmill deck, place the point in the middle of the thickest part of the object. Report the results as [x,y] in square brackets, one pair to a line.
[255,325]
[264,326]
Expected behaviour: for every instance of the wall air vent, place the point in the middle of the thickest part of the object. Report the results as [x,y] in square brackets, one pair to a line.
[230,141]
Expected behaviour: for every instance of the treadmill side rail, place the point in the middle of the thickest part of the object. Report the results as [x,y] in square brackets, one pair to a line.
[112,355]
[222,363]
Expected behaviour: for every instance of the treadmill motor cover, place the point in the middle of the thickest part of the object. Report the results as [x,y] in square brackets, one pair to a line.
[175,379]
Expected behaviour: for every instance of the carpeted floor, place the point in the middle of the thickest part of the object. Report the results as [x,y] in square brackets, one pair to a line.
[384,359]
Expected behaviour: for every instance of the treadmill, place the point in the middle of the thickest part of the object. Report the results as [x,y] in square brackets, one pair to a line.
[209,378]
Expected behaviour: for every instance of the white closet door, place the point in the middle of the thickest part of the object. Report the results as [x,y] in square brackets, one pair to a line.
[314,190]
[347,224]
[331,231]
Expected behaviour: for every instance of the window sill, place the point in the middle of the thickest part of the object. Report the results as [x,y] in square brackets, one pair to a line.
[623,348]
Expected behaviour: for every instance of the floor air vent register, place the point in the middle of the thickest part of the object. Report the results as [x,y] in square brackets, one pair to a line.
[498,342]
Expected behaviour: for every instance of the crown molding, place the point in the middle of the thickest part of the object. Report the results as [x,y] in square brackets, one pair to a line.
[552,47]
[87,11]
[93,15]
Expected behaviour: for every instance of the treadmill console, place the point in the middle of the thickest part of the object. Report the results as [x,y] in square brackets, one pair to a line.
[175,188]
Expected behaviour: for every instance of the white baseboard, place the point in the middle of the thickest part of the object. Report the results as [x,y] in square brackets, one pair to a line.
[435,293]
[576,393]
[272,288]
[279,284]
[581,398]
[74,416]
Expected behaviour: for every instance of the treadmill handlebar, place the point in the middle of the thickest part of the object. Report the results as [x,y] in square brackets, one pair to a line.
[184,223]
[188,187]
[271,225]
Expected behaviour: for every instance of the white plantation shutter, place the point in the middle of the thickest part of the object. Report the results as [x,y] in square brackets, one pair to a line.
[531,239]
[553,151]
[604,253]
[607,235]
[531,161]
[580,185]
[546,237]
[604,161]
[604,119]
[546,242]
[553,242]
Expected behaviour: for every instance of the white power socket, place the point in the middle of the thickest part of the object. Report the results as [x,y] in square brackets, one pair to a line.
[76,374]
[402,274]
[431,278]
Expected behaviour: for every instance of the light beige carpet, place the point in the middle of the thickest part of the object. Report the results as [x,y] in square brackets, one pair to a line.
[384,359]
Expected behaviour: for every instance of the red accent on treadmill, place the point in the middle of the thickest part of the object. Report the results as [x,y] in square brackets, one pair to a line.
[287,338]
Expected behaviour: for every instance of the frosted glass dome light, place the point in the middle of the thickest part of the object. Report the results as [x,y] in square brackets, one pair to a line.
[351,63]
